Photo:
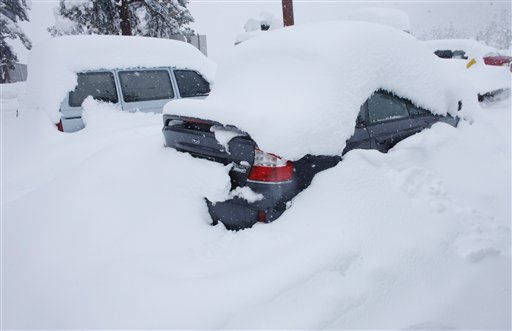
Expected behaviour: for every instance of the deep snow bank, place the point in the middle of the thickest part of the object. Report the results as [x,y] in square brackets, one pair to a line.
[107,229]
[298,90]
[53,63]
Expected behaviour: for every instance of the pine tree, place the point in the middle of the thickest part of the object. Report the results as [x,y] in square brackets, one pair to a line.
[497,33]
[446,32]
[150,18]
[11,12]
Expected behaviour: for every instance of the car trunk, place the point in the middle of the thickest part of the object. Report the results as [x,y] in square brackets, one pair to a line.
[200,138]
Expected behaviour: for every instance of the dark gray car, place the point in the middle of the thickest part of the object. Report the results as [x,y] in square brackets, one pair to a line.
[384,120]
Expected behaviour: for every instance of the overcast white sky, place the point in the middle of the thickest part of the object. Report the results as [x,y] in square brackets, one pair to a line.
[222,20]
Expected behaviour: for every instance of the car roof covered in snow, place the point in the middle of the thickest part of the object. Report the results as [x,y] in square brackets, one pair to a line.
[388,16]
[53,63]
[298,90]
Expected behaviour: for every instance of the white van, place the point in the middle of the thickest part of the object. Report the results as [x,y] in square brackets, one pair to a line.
[135,73]
[140,89]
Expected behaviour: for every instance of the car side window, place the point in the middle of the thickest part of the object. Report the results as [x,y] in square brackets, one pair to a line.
[385,107]
[191,84]
[145,85]
[100,85]
[361,117]
[415,110]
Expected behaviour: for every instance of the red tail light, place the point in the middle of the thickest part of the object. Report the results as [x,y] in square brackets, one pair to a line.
[59,126]
[270,168]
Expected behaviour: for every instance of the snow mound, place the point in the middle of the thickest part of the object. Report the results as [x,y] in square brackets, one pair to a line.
[107,223]
[298,90]
[53,63]
[387,16]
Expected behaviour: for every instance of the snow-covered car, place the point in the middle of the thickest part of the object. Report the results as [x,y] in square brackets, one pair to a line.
[460,49]
[485,67]
[135,73]
[289,104]
[140,89]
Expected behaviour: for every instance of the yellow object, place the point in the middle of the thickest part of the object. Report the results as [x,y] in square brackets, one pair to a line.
[470,63]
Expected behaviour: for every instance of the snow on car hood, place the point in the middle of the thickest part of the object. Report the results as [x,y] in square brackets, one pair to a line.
[53,63]
[298,90]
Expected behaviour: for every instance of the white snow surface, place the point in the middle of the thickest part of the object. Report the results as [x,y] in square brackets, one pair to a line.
[107,229]
[53,63]
[387,16]
[298,90]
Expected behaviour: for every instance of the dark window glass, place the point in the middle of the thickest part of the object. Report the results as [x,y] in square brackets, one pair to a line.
[361,117]
[415,110]
[459,54]
[99,85]
[385,107]
[146,85]
[191,84]
[444,54]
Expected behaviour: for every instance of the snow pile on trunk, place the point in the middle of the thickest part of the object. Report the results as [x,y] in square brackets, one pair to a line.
[54,63]
[387,16]
[298,90]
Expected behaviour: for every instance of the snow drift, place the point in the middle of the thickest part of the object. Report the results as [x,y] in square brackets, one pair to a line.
[107,229]
[298,90]
[53,63]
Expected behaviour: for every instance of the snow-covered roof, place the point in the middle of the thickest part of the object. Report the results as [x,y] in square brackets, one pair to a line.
[298,90]
[53,63]
[473,48]
[388,16]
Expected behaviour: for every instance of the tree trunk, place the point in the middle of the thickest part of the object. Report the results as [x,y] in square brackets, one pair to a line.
[287,12]
[126,28]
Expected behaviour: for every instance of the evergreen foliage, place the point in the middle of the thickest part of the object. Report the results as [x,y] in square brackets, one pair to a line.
[11,12]
[150,18]
[497,33]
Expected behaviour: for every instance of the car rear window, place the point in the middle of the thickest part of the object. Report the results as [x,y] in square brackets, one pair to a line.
[99,85]
[191,84]
[385,107]
[145,85]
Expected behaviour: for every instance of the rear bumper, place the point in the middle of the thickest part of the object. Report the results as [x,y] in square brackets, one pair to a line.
[237,214]
[72,124]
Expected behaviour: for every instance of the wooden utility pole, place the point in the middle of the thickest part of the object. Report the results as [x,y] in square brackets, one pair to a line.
[287,12]
[126,27]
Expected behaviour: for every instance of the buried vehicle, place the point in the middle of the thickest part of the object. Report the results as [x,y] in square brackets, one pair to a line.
[288,105]
[485,67]
[134,73]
